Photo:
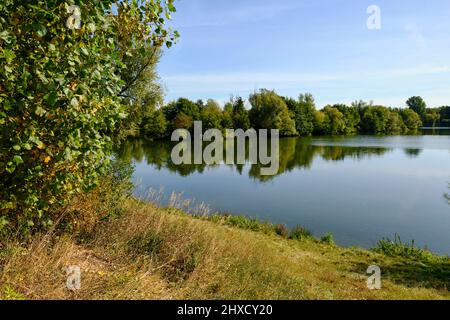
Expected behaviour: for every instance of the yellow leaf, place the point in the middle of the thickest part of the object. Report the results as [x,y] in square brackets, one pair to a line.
[47,159]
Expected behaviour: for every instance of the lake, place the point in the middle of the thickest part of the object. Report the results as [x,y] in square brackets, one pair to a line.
[359,188]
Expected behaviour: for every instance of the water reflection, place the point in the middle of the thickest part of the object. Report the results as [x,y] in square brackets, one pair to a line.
[413,153]
[295,153]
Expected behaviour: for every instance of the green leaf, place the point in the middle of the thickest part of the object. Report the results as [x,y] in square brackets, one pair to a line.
[51,98]
[9,55]
[11,168]
[40,29]
[17,159]
[40,111]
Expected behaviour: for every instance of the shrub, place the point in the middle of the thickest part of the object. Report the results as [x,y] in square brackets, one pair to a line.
[300,233]
[281,230]
[60,97]
[328,239]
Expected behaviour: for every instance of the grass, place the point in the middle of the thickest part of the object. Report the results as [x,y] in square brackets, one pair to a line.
[128,249]
[149,252]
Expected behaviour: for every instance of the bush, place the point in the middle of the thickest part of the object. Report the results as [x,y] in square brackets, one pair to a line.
[328,239]
[281,230]
[106,201]
[300,233]
[60,98]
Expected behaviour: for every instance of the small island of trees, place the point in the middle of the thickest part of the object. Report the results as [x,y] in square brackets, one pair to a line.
[293,117]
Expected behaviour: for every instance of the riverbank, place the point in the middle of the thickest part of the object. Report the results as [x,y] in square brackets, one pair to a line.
[148,252]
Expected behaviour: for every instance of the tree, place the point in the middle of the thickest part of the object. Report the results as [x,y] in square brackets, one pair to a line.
[321,123]
[211,115]
[432,116]
[155,125]
[411,119]
[60,97]
[395,124]
[183,121]
[351,116]
[145,94]
[182,113]
[334,123]
[269,111]
[444,116]
[240,116]
[376,120]
[418,105]
[303,111]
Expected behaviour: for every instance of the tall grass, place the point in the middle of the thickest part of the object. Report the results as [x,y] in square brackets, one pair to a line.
[398,248]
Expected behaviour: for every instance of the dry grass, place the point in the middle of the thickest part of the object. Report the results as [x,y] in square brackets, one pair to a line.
[149,252]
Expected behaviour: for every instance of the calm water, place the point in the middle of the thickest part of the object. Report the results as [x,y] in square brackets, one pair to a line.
[359,188]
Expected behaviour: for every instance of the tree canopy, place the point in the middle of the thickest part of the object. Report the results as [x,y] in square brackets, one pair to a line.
[62,76]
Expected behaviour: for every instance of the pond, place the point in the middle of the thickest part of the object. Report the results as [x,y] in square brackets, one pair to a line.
[359,188]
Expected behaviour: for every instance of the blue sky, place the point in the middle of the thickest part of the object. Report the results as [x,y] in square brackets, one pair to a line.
[319,46]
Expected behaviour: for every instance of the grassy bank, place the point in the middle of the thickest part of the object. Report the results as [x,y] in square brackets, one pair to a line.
[142,251]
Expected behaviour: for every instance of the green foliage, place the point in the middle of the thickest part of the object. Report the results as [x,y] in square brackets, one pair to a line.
[375,120]
[432,117]
[328,239]
[227,120]
[329,121]
[398,248]
[320,122]
[303,111]
[444,115]
[59,97]
[240,116]
[395,124]
[155,125]
[144,95]
[334,121]
[244,223]
[182,113]
[382,120]
[269,111]
[9,293]
[351,116]
[211,115]
[411,120]
[300,233]
[296,117]
[418,105]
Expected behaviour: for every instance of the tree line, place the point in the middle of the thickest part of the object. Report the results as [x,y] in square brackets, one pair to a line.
[292,117]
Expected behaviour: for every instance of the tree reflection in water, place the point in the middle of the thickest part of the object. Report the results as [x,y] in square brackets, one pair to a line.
[295,153]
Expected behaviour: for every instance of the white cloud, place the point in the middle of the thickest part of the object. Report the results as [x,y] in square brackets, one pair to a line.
[413,71]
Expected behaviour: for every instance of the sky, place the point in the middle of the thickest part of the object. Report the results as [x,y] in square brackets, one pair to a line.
[234,47]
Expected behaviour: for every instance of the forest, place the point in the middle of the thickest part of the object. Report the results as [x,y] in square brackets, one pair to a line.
[292,117]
